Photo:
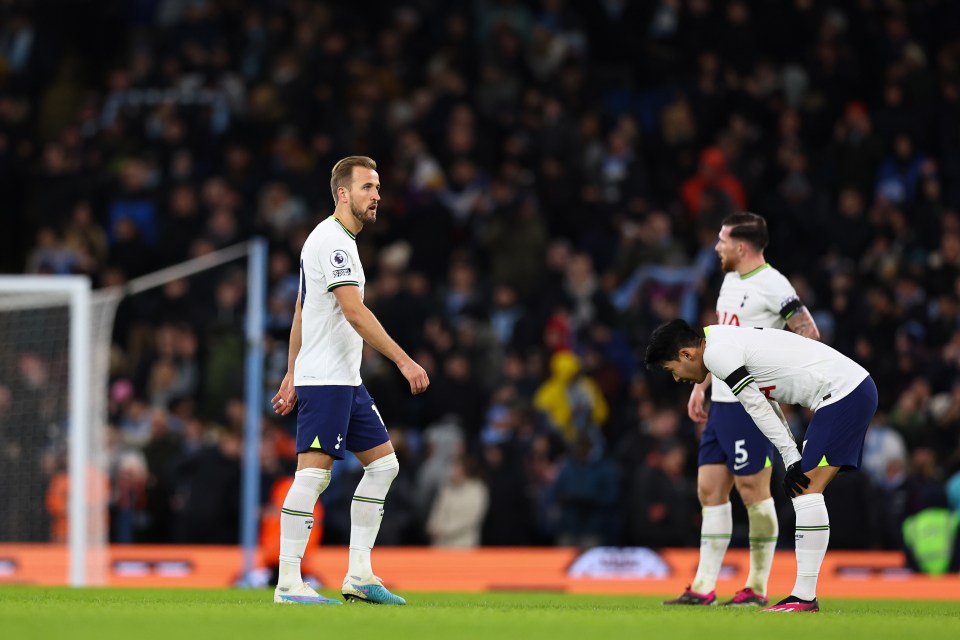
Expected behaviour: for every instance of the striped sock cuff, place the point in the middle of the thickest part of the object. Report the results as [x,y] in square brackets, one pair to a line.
[291,512]
[370,500]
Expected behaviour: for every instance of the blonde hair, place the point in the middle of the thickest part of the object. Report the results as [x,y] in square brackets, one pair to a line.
[342,172]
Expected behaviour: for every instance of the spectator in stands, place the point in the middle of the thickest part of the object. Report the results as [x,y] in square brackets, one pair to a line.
[663,504]
[572,400]
[457,513]
[207,498]
[714,177]
[586,494]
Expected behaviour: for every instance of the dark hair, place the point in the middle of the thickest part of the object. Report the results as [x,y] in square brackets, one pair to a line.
[748,227]
[667,340]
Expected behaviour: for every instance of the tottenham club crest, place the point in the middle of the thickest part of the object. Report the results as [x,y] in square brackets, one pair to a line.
[338,258]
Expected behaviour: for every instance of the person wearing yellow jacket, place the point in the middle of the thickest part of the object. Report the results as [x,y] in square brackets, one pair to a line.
[571,399]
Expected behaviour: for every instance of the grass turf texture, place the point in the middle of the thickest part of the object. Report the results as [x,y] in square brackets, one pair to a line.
[35,613]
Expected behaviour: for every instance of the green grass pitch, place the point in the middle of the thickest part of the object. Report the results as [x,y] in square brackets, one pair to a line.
[35,613]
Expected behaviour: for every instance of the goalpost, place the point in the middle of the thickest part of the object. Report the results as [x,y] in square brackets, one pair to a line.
[55,339]
[28,295]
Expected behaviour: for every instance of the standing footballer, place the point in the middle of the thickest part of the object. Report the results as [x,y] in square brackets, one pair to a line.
[330,324]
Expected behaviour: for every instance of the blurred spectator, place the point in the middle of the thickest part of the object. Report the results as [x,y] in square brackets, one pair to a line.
[516,239]
[457,513]
[855,152]
[932,540]
[511,519]
[128,504]
[207,499]
[458,395]
[58,503]
[587,494]
[712,178]
[923,488]
[443,447]
[135,202]
[51,256]
[899,176]
[662,503]
[572,400]
[86,237]
[884,456]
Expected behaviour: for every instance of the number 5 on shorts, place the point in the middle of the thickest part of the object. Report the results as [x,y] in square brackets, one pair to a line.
[740,455]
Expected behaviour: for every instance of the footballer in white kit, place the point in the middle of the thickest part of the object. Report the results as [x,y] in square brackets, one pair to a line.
[732,451]
[763,367]
[336,414]
[766,367]
[762,297]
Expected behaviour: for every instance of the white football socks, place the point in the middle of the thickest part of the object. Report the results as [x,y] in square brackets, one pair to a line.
[296,521]
[813,535]
[714,540]
[764,530]
[366,512]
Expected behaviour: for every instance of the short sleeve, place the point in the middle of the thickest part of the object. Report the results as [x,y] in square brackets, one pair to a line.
[336,263]
[723,360]
[780,297]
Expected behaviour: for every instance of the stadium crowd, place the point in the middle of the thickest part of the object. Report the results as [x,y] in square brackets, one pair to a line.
[553,183]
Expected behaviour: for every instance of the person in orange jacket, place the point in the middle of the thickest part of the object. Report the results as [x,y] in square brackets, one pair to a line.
[712,173]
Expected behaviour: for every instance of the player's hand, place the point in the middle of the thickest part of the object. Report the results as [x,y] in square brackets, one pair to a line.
[415,375]
[695,405]
[795,481]
[286,398]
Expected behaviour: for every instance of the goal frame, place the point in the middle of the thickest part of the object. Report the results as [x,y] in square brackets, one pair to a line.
[76,291]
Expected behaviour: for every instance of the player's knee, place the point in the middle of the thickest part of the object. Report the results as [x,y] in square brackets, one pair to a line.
[752,490]
[386,467]
[320,478]
[710,495]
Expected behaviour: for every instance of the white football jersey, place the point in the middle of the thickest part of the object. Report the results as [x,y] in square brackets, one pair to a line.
[330,347]
[764,367]
[762,298]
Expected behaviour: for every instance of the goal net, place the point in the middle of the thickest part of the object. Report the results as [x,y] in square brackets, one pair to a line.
[55,359]
[53,484]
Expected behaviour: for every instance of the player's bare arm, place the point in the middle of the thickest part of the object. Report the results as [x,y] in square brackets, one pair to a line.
[697,398]
[373,333]
[286,397]
[802,323]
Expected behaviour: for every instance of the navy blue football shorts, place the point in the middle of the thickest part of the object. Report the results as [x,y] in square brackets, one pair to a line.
[335,419]
[835,435]
[731,437]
